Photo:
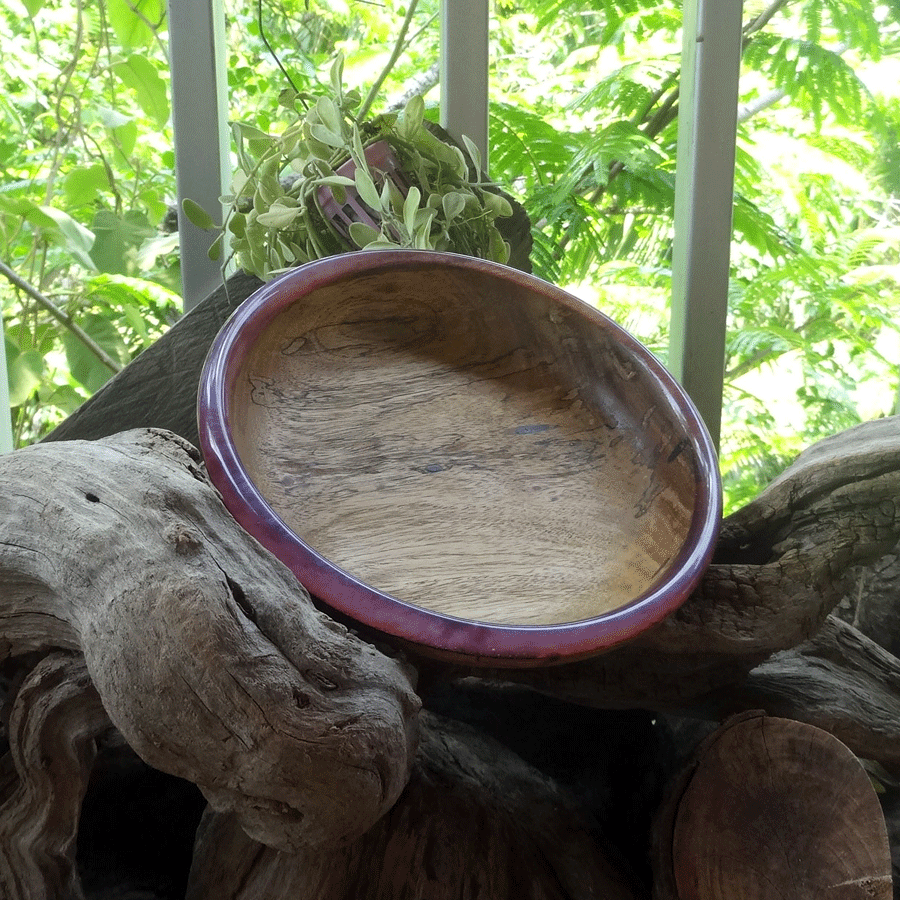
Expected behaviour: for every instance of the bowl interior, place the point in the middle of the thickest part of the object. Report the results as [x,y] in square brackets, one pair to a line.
[471,442]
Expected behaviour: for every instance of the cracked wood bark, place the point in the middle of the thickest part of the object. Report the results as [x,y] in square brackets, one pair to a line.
[771,807]
[839,680]
[209,657]
[474,823]
[55,720]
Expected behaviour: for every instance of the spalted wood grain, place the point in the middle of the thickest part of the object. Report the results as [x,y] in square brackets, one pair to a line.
[458,439]
[209,657]
[55,720]
[474,823]
[772,808]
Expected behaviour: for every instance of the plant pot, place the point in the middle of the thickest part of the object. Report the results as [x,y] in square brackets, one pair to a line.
[383,164]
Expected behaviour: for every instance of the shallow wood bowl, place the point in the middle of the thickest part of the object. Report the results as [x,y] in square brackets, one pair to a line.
[460,456]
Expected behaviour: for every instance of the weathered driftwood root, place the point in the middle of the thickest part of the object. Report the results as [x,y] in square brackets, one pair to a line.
[208,656]
[839,680]
[474,823]
[770,807]
[55,721]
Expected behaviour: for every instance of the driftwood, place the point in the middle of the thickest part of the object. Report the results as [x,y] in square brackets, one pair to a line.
[155,617]
[209,658]
[474,821]
[134,609]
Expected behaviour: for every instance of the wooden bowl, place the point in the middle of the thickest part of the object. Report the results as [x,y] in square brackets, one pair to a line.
[460,456]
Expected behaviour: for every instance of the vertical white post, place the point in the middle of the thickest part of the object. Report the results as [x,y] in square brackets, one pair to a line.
[707,123]
[465,36]
[6,437]
[202,141]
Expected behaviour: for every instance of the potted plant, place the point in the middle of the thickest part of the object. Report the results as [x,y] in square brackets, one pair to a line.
[336,180]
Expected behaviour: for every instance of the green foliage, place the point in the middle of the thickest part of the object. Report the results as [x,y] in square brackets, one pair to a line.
[421,196]
[85,186]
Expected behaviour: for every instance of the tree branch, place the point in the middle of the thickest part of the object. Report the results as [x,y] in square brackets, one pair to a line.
[61,317]
[395,55]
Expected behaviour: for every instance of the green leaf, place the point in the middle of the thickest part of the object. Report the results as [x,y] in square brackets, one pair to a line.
[63,230]
[362,234]
[328,114]
[215,249]
[410,208]
[139,74]
[112,118]
[337,75]
[197,215]
[82,185]
[117,237]
[326,136]
[126,135]
[497,206]
[474,154]
[382,245]
[33,6]
[453,204]
[25,371]
[130,19]
[422,229]
[413,114]
[368,193]
[83,364]
[245,132]
[336,181]
[63,397]
[279,216]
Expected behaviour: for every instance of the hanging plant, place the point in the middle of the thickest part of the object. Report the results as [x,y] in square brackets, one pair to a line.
[335,181]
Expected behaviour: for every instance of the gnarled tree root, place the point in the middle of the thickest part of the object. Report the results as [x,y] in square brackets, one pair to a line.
[207,654]
[215,666]
[55,721]
[474,823]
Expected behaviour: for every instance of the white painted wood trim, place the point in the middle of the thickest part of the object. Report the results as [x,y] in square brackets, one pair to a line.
[202,140]
[704,190]
[465,38]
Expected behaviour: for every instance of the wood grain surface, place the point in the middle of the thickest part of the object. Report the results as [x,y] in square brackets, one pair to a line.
[465,446]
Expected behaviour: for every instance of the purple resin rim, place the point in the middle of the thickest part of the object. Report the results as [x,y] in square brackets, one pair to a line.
[438,634]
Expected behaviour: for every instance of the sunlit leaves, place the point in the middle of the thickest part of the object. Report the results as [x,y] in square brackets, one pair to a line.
[134,21]
[818,79]
[151,92]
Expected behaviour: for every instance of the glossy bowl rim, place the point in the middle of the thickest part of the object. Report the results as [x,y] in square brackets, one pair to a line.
[434,633]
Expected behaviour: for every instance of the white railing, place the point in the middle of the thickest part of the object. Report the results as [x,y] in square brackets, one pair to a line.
[706,144]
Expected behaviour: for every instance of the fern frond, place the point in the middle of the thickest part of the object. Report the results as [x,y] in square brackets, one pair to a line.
[524,145]
[816,78]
